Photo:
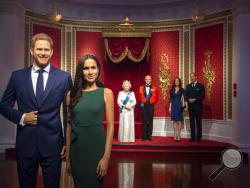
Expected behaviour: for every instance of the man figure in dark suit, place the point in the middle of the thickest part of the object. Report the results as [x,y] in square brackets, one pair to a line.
[39,91]
[148,96]
[195,93]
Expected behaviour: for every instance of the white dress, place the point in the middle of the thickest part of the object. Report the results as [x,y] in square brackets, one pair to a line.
[126,173]
[126,120]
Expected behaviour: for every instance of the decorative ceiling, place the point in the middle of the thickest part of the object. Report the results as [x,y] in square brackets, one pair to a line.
[116,10]
[122,2]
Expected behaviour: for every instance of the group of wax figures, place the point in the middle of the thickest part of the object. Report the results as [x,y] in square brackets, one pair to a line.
[41,140]
[148,96]
[180,99]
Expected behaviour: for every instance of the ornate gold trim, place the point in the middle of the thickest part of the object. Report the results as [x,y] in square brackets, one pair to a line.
[115,59]
[186,62]
[63,50]
[126,53]
[164,76]
[229,69]
[68,58]
[26,45]
[106,24]
[144,52]
[208,74]
[126,31]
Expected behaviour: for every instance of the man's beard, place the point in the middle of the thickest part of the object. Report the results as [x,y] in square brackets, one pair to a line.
[41,65]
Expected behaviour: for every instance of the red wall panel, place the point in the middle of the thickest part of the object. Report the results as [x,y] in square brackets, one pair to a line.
[90,43]
[211,37]
[164,42]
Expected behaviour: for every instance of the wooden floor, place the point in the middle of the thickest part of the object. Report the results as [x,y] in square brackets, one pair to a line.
[150,170]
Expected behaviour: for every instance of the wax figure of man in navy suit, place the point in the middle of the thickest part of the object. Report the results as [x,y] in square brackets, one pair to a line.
[148,96]
[39,91]
[195,93]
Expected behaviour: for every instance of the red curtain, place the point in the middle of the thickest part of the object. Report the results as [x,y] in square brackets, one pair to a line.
[117,47]
[116,73]
[134,49]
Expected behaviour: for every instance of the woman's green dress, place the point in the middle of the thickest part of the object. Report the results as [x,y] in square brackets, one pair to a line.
[87,139]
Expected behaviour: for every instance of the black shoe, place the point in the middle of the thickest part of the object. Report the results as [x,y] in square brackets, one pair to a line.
[150,139]
[191,140]
[144,139]
[199,140]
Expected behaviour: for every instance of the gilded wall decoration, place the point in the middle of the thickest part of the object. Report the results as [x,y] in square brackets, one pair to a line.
[208,74]
[155,30]
[164,76]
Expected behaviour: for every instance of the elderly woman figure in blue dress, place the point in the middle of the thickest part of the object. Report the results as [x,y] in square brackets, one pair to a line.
[126,101]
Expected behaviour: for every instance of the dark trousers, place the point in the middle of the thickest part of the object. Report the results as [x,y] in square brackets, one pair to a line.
[28,170]
[195,123]
[147,120]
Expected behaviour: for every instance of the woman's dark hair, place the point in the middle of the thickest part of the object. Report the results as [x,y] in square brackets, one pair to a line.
[79,82]
[173,85]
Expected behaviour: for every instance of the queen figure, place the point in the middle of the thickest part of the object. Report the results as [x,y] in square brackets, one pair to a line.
[126,102]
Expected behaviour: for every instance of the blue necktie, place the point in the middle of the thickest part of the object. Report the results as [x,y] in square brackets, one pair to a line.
[39,86]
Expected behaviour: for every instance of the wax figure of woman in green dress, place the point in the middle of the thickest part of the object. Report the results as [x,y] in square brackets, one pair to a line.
[88,146]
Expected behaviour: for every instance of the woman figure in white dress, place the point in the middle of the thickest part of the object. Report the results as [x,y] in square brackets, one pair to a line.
[126,101]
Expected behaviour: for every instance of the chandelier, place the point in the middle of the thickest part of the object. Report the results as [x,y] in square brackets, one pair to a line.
[198,16]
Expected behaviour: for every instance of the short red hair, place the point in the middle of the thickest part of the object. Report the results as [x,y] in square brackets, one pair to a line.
[41,36]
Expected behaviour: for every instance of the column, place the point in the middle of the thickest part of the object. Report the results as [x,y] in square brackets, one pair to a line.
[12,23]
[240,75]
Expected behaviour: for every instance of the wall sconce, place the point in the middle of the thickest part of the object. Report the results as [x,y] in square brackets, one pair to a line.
[55,15]
[198,16]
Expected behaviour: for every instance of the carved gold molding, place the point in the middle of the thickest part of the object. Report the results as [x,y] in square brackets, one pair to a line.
[106,24]
[126,53]
[208,74]
[164,76]
[126,31]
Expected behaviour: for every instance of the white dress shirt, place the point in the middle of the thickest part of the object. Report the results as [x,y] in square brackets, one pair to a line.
[147,89]
[34,76]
